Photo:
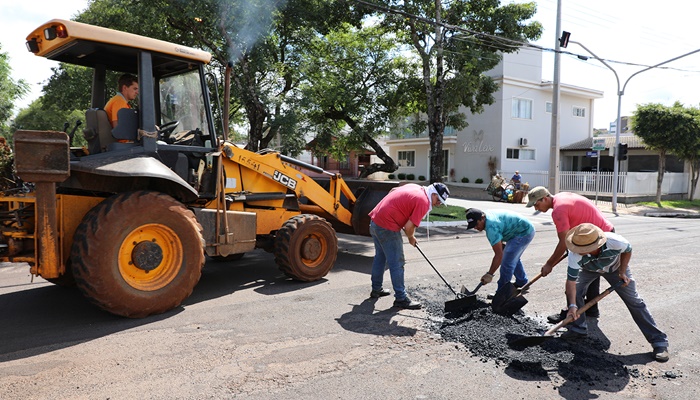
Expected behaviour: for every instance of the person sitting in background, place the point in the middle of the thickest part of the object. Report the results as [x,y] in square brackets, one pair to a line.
[128,87]
[516,179]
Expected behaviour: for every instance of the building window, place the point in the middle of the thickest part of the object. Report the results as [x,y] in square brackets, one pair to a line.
[407,158]
[579,112]
[522,108]
[548,107]
[520,154]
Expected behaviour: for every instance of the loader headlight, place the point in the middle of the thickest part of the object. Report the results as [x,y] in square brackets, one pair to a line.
[55,31]
[33,46]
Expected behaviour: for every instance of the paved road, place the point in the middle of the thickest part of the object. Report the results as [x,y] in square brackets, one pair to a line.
[247,332]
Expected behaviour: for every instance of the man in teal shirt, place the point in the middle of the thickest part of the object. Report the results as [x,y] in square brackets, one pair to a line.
[501,227]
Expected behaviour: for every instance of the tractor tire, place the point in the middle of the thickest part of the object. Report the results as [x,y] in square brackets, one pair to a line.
[306,247]
[138,253]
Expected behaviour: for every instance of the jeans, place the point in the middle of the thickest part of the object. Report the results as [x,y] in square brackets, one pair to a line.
[635,304]
[388,252]
[511,264]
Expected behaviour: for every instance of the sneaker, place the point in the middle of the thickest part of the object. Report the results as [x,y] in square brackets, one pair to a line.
[407,303]
[375,294]
[661,354]
[558,317]
[572,335]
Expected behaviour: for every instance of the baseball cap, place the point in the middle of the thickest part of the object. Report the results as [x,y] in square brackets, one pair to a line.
[473,216]
[442,191]
[536,193]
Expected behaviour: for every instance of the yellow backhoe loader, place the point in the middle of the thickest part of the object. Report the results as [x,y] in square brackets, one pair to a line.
[130,218]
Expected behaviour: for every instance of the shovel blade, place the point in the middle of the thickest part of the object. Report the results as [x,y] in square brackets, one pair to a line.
[511,306]
[528,341]
[504,293]
[460,304]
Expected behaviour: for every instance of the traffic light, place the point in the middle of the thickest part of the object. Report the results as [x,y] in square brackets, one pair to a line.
[622,151]
[564,39]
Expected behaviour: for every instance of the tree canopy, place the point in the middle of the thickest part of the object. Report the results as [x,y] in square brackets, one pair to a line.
[669,130]
[10,91]
[456,43]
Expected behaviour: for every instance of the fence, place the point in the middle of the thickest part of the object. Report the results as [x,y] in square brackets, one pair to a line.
[628,183]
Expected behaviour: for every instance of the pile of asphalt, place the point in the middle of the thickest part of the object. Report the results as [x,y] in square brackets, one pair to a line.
[489,337]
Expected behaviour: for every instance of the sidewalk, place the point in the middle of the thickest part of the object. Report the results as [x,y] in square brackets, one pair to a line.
[466,193]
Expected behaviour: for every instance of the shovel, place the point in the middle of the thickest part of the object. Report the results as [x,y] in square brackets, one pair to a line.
[508,299]
[527,341]
[463,301]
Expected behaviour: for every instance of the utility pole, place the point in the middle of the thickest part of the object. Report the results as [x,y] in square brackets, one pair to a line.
[554,140]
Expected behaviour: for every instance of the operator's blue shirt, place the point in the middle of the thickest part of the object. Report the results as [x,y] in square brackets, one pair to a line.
[503,225]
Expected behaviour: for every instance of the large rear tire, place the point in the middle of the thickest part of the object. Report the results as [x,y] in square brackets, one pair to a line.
[138,253]
[306,247]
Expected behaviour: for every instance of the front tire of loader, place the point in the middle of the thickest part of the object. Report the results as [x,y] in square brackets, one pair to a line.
[138,253]
[306,247]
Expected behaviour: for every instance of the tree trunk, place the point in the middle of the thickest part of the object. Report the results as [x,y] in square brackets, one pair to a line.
[694,174]
[660,176]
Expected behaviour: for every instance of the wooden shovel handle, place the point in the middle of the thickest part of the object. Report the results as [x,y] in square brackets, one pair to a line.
[583,309]
[539,275]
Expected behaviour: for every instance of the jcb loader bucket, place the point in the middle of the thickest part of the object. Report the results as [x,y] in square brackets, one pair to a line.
[368,194]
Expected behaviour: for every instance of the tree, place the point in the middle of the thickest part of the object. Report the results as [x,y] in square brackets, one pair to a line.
[687,147]
[10,91]
[262,42]
[456,42]
[353,87]
[661,127]
[39,116]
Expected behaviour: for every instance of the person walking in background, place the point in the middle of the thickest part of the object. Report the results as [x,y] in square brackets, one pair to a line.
[402,209]
[568,211]
[594,253]
[503,226]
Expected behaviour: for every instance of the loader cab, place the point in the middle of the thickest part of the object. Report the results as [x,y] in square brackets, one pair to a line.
[173,119]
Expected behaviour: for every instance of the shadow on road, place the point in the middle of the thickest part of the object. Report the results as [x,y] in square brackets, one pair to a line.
[363,319]
[42,318]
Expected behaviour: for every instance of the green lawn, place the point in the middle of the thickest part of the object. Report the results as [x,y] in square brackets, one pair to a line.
[686,204]
[448,213]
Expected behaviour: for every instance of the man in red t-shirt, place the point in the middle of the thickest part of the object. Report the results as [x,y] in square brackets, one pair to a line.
[402,209]
[128,86]
[568,211]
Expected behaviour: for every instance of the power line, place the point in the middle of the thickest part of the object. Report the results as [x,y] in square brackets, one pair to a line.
[503,41]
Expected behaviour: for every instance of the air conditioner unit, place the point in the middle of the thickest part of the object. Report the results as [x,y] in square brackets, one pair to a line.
[522,141]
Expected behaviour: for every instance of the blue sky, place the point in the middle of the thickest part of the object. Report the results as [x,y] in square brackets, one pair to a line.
[633,31]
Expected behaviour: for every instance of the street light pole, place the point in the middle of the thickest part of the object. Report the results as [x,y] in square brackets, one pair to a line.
[554,157]
[620,93]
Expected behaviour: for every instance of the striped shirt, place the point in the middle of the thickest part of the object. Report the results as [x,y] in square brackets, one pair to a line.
[608,260]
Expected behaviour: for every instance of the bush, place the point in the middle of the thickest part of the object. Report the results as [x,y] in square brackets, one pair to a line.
[421,178]
[392,176]
[465,180]
[479,180]
[411,177]
[402,176]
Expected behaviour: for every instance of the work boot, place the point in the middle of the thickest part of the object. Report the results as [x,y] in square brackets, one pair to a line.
[375,294]
[558,317]
[408,304]
[661,354]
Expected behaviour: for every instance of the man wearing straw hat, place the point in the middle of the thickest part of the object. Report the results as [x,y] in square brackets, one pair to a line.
[594,254]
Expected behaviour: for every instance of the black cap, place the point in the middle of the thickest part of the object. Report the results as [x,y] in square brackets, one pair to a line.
[474,215]
[442,191]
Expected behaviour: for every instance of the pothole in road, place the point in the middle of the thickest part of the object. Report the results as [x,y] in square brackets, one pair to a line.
[486,336]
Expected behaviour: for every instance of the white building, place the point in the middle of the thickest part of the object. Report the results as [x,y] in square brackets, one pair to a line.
[514,132]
